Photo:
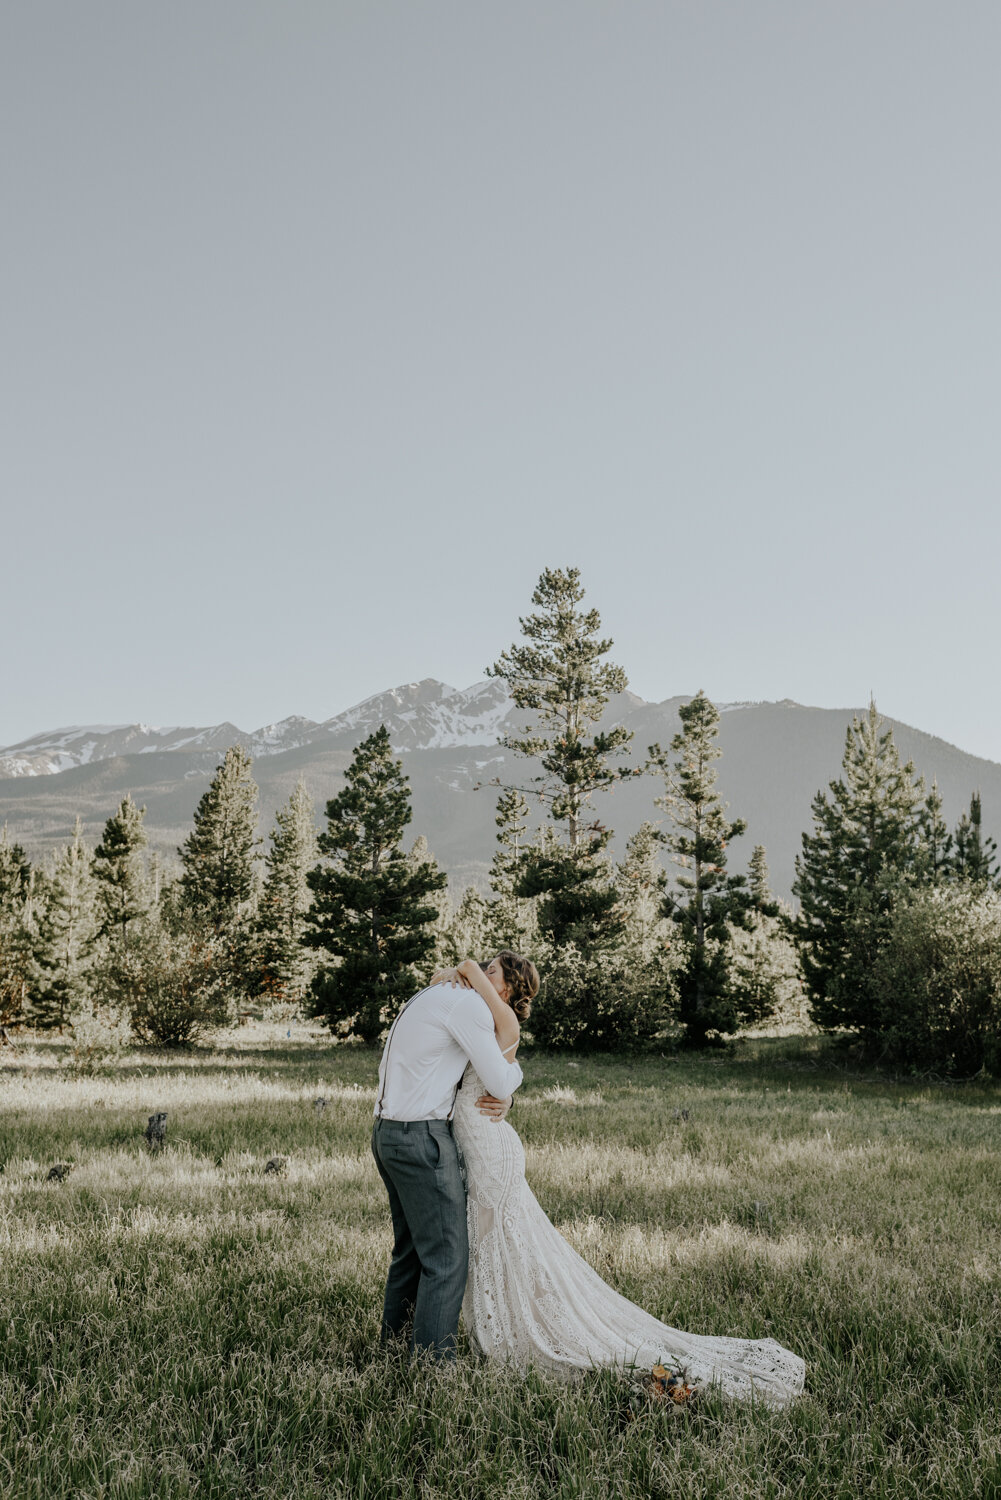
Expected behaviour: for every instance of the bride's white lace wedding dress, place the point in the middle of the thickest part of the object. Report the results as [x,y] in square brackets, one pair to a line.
[530,1297]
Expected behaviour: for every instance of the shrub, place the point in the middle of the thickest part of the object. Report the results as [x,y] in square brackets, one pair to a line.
[764,972]
[173,982]
[101,1033]
[600,1002]
[937,981]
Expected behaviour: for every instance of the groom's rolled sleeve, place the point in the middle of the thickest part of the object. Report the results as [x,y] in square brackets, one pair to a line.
[471,1025]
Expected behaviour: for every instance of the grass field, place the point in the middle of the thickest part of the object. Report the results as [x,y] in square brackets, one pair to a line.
[184,1325]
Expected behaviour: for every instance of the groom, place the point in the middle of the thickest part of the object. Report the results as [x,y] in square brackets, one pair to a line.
[437,1032]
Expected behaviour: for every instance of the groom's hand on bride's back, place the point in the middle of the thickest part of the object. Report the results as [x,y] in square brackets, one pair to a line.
[495,1108]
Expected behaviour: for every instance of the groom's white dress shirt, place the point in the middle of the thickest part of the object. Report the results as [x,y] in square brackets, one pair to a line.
[434,1036]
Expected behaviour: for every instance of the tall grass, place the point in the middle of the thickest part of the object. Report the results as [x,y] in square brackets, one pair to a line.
[184,1325]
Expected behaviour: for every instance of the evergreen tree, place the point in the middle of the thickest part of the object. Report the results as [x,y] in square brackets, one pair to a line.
[219,880]
[864,846]
[421,858]
[467,931]
[711,902]
[15,877]
[16,887]
[974,855]
[933,855]
[764,967]
[558,674]
[370,908]
[285,966]
[510,917]
[64,942]
[642,881]
[122,888]
[758,888]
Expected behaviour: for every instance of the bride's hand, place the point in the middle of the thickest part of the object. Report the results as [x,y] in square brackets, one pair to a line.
[495,1109]
[449,976]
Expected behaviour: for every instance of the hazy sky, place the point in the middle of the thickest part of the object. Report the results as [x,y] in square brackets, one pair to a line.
[325,327]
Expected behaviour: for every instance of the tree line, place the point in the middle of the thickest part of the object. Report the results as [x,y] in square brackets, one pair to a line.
[895,939]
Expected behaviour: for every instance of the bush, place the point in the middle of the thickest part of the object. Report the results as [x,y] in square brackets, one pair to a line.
[173,982]
[101,1033]
[764,972]
[600,1002]
[937,981]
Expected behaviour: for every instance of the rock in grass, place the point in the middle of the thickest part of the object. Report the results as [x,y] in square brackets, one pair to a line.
[60,1171]
[319,1105]
[277,1165]
[156,1131]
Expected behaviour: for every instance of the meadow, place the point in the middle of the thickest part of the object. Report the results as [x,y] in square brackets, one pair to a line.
[185,1325]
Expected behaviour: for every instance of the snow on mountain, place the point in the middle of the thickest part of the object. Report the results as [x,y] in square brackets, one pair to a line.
[61,749]
[426,715]
[419,715]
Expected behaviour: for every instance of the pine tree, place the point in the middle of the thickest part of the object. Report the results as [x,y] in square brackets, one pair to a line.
[66,933]
[758,888]
[420,858]
[764,966]
[510,917]
[467,931]
[558,674]
[641,881]
[285,966]
[852,866]
[974,855]
[712,902]
[16,887]
[122,888]
[933,855]
[370,908]
[15,877]
[219,879]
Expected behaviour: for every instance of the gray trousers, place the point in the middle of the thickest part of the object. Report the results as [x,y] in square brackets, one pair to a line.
[419,1163]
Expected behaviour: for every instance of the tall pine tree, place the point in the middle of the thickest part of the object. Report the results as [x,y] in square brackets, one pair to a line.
[63,959]
[559,676]
[370,913]
[862,851]
[710,902]
[219,879]
[285,965]
[119,872]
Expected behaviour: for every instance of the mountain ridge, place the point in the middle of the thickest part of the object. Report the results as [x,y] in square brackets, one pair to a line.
[776,755]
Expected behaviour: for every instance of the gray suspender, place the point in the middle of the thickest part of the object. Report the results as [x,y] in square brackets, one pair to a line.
[385,1069]
[385,1058]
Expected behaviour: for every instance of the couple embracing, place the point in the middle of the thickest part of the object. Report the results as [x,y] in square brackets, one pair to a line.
[483,1246]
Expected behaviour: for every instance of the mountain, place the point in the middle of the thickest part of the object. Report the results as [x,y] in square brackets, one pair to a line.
[775,757]
[424,715]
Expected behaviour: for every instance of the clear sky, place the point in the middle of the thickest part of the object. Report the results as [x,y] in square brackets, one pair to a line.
[325,327]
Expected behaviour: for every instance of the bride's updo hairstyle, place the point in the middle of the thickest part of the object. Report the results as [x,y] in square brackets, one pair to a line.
[522,980]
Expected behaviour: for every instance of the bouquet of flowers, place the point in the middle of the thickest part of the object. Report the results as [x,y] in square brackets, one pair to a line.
[661,1387]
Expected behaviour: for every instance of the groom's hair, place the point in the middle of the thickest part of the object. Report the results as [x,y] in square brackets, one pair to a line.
[522,980]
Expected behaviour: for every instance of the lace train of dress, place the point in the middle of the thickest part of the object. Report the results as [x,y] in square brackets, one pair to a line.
[531,1298]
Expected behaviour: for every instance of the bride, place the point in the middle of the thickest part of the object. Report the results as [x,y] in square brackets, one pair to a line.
[530,1297]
